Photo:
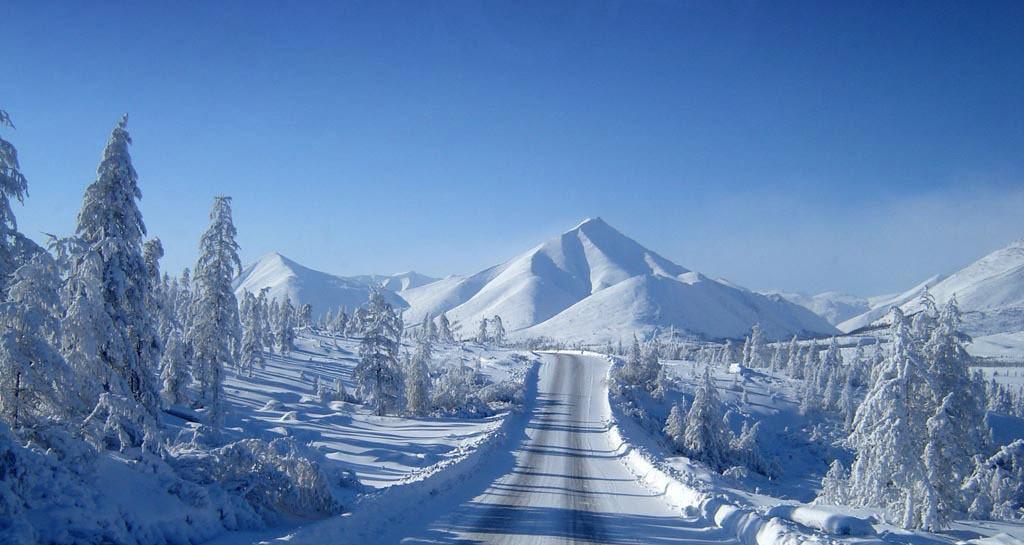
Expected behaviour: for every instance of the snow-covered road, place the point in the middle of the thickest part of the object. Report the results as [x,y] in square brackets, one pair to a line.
[565,483]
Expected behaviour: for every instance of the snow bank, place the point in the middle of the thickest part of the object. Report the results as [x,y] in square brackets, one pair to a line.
[824,520]
[695,497]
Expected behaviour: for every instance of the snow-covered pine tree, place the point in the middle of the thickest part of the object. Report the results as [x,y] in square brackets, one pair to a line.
[85,323]
[378,375]
[792,356]
[174,373]
[252,336]
[775,363]
[110,224]
[215,325]
[481,334]
[15,248]
[961,431]
[888,471]
[444,329]
[34,379]
[263,317]
[705,437]
[286,326]
[833,486]
[675,424]
[755,355]
[499,331]
[341,321]
[417,379]
[305,315]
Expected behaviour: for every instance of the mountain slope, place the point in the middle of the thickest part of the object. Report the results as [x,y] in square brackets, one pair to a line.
[990,293]
[833,306]
[594,283]
[286,278]
[880,306]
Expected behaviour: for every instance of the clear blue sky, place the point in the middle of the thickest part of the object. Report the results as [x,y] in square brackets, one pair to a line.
[807,146]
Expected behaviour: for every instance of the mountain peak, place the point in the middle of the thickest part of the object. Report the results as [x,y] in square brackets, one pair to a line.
[595,221]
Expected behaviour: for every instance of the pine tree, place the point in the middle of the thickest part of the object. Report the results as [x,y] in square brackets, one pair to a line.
[792,356]
[86,323]
[705,437]
[215,328]
[15,249]
[675,424]
[499,331]
[286,326]
[417,380]
[833,486]
[378,375]
[174,375]
[444,330]
[252,336]
[34,379]
[481,335]
[110,224]
[755,355]
[888,470]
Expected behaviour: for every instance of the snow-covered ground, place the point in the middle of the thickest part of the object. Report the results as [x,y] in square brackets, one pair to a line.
[799,447]
[381,450]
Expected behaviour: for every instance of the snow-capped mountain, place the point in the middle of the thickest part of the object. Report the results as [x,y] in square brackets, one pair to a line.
[834,306]
[395,282]
[286,278]
[880,305]
[990,293]
[593,283]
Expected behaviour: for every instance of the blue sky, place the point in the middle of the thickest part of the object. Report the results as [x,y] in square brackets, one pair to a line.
[804,146]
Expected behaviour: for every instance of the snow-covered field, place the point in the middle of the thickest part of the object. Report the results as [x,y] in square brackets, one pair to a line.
[380,450]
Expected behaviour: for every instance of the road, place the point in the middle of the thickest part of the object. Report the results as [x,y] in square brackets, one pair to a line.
[565,483]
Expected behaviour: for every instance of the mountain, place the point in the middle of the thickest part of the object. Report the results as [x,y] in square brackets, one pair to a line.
[990,293]
[834,306]
[395,282]
[594,284]
[881,305]
[286,278]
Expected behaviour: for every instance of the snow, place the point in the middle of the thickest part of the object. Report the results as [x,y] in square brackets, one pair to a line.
[834,306]
[594,284]
[880,305]
[325,292]
[990,292]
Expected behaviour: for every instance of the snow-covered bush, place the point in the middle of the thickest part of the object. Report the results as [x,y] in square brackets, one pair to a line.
[275,478]
[455,392]
[119,424]
[996,488]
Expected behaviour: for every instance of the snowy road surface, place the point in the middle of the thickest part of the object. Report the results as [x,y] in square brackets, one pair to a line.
[564,482]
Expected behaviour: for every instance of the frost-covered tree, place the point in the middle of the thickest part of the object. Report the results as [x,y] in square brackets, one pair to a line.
[481,335]
[340,325]
[705,437]
[86,323]
[833,486]
[110,224]
[215,327]
[286,326]
[499,331]
[958,406]
[252,335]
[15,248]
[675,424]
[417,379]
[888,470]
[263,317]
[34,378]
[746,449]
[755,348]
[174,373]
[995,490]
[305,315]
[378,374]
[775,362]
[792,355]
[444,329]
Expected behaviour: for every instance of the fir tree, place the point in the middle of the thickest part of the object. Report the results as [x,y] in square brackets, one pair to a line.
[286,326]
[705,437]
[110,224]
[417,380]
[174,375]
[215,328]
[378,374]
[33,377]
